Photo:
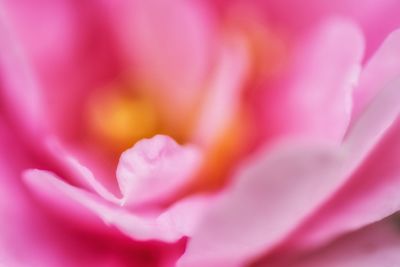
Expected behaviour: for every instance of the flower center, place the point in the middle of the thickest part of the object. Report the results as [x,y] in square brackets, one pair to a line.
[118,119]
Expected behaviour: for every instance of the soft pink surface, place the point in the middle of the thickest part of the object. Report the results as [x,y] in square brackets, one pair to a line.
[148,172]
[315,173]
[327,126]
[31,236]
[372,246]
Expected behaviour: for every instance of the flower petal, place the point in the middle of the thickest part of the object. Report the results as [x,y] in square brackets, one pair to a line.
[376,18]
[314,98]
[278,191]
[155,169]
[381,69]
[372,192]
[20,92]
[87,208]
[267,198]
[29,236]
[169,43]
[77,172]
[374,246]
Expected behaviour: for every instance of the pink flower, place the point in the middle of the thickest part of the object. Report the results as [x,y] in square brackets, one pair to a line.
[199,133]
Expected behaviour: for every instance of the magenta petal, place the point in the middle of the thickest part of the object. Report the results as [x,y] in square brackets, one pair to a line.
[155,169]
[19,91]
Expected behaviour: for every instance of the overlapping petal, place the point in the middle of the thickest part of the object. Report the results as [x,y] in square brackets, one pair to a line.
[314,98]
[299,178]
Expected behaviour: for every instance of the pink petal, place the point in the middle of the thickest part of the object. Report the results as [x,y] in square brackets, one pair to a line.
[87,208]
[276,192]
[371,194]
[30,237]
[70,52]
[79,174]
[170,44]
[186,213]
[155,169]
[223,97]
[88,211]
[372,191]
[382,68]
[375,246]
[266,199]
[377,18]
[20,92]
[314,98]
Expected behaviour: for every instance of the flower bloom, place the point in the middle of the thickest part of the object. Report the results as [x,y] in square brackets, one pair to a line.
[199,133]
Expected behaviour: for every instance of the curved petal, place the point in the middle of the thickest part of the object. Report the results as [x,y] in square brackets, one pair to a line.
[187,213]
[278,191]
[377,18]
[87,208]
[170,45]
[371,194]
[77,172]
[29,236]
[374,246]
[266,199]
[314,97]
[223,97]
[94,214]
[155,169]
[372,191]
[381,69]
[20,92]
[70,52]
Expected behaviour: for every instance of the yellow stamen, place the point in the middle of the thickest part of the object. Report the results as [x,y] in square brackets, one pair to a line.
[119,120]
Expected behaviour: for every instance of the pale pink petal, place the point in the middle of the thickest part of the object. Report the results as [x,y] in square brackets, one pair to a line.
[373,123]
[372,192]
[377,18]
[381,69]
[20,96]
[375,246]
[77,172]
[314,98]
[69,50]
[87,208]
[87,211]
[275,193]
[265,200]
[223,97]
[155,169]
[30,237]
[186,213]
[169,43]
